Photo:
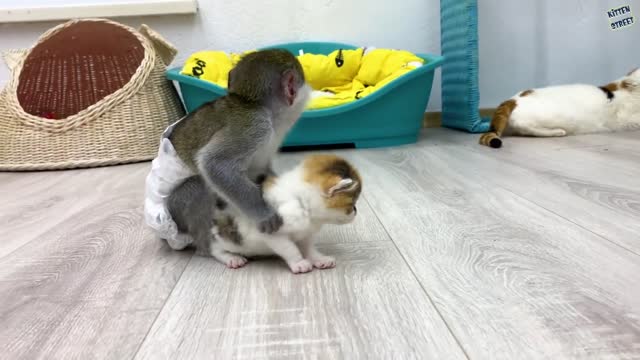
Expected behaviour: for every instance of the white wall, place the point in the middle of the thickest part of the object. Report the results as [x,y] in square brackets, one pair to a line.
[523,43]
[245,24]
[526,44]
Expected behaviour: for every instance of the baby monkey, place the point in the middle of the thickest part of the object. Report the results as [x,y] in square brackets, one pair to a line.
[230,141]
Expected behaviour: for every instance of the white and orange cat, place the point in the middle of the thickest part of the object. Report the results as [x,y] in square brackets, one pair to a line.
[322,189]
[568,110]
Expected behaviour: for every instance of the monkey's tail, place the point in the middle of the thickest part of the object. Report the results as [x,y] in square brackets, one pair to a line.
[499,122]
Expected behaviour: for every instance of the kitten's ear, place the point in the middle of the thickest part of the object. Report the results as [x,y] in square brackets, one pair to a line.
[633,72]
[344,185]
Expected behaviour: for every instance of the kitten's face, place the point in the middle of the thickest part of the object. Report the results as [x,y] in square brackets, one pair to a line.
[340,186]
[340,208]
[631,82]
[626,89]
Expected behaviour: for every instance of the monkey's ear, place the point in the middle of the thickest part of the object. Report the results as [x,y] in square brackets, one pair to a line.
[289,86]
[344,185]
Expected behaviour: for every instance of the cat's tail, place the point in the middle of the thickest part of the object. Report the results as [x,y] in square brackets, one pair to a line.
[498,124]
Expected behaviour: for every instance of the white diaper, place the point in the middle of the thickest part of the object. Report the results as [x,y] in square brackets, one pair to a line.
[167,172]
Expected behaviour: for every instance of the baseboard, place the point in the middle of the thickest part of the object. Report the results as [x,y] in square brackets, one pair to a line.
[433,119]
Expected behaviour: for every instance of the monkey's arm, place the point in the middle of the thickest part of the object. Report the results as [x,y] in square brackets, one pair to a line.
[223,164]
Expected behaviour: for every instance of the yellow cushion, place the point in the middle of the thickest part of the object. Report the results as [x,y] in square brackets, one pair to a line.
[378,67]
[335,69]
[212,66]
[378,64]
[341,77]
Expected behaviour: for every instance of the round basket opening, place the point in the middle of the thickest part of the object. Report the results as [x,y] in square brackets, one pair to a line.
[77,67]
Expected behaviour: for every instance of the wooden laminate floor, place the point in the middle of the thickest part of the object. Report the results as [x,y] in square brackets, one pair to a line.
[459,251]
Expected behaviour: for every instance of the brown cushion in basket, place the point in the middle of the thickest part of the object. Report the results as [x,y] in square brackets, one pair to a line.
[76,68]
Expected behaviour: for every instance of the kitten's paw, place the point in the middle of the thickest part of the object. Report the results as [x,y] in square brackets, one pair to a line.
[302,266]
[559,132]
[325,262]
[236,262]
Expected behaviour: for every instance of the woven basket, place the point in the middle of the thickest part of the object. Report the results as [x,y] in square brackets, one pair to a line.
[89,93]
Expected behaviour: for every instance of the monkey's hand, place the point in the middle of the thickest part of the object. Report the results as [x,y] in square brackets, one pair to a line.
[271,223]
[264,176]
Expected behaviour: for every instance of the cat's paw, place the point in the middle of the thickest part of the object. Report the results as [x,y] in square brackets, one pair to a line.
[302,266]
[324,262]
[559,132]
[236,262]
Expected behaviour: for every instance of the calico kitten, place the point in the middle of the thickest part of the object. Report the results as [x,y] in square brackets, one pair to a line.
[321,190]
[568,110]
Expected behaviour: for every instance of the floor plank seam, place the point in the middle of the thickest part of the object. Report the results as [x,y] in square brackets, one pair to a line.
[166,300]
[512,163]
[14,251]
[518,255]
[570,221]
[424,290]
[57,224]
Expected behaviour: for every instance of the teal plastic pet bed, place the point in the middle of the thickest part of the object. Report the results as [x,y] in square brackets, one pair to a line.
[389,116]
[459,43]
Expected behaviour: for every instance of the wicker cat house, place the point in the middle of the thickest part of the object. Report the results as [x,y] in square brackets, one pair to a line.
[89,93]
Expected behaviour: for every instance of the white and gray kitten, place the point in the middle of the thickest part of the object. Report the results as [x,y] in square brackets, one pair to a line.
[322,190]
